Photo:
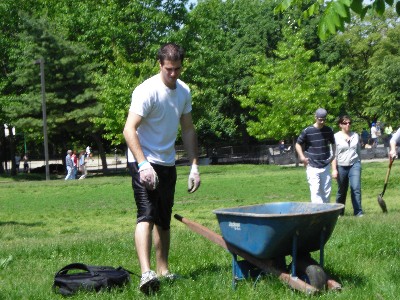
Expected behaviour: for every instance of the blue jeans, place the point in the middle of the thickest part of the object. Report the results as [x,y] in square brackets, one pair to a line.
[352,175]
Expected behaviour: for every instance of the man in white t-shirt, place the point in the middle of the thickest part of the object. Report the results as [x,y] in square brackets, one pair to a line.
[159,106]
[374,135]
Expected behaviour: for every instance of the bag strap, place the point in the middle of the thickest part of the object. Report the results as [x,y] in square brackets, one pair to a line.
[76,266]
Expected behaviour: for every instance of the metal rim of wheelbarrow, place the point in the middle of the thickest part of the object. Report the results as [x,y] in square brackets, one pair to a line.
[231,211]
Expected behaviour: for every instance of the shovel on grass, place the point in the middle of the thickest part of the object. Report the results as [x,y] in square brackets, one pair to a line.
[381,202]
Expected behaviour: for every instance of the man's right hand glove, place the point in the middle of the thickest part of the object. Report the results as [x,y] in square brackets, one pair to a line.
[194,179]
[148,177]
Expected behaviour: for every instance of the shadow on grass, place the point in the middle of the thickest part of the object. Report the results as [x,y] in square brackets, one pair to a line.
[342,278]
[208,269]
[22,224]
[42,176]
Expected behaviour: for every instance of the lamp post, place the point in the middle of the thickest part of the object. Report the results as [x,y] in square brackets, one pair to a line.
[40,61]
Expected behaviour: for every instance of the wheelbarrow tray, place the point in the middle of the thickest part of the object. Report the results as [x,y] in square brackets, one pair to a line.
[267,230]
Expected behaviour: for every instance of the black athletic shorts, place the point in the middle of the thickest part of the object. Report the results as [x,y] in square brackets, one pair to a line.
[155,206]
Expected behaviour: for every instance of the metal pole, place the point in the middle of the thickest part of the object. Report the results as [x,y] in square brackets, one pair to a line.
[46,145]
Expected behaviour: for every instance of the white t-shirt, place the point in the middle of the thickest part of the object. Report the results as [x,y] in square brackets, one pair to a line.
[373,132]
[161,109]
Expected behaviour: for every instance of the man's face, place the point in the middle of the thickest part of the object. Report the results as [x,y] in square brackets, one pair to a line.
[170,72]
[320,122]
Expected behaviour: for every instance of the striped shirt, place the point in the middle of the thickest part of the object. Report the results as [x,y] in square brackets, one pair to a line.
[316,144]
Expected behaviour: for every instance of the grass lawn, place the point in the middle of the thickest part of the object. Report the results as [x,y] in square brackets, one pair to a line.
[45,225]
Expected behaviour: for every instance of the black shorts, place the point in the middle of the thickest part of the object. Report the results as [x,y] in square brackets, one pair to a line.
[155,206]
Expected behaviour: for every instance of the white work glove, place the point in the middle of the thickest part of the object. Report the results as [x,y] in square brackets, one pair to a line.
[148,177]
[194,179]
[393,154]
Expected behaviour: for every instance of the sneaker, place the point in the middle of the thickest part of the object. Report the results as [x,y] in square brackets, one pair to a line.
[149,282]
[360,215]
[170,276]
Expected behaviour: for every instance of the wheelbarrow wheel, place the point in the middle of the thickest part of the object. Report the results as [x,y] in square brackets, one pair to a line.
[316,276]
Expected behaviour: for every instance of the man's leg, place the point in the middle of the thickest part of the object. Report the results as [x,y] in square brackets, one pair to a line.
[143,244]
[161,243]
[314,183]
[325,184]
[69,171]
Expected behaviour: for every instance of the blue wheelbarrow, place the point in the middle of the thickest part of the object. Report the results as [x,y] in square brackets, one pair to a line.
[263,235]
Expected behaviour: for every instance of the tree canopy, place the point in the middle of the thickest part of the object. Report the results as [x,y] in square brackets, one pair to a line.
[255,71]
[336,13]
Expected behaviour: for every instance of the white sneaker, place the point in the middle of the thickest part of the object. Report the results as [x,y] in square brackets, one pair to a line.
[149,282]
[170,276]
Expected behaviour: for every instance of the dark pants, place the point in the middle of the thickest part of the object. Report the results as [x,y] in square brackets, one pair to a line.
[352,175]
[155,206]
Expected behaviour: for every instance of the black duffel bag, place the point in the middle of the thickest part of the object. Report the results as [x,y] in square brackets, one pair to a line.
[69,280]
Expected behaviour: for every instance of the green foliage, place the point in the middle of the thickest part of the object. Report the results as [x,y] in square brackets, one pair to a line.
[336,13]
[289,88]
[223,40]
[118,83]
[369,49]
[70,93]
[384,75]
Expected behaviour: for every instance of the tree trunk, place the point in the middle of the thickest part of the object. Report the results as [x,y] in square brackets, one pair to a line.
[97,139]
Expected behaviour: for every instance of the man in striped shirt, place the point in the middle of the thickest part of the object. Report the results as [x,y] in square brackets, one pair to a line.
[316,149]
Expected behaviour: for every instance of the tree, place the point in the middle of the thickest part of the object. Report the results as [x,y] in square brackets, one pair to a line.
[9,24]
[70,92]
[118,83]
[384,78]
[369,48]
[337,12]
[223,40]
[289,88]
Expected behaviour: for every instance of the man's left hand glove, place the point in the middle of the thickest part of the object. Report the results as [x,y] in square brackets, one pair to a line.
[194,179]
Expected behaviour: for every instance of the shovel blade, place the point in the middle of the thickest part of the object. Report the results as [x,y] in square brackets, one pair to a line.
[382,204]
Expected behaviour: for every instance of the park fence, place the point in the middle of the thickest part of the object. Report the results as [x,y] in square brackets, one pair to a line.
[258,154]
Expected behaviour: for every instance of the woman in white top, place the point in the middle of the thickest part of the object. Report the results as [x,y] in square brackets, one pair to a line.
[346,167]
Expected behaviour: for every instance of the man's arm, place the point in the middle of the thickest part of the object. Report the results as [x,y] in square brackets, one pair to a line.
[132,140]
[189,137]
[300,153]
[148,177]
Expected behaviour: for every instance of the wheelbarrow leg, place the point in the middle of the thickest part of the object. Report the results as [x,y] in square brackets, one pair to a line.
[321,247]
[242,269]
[294,254]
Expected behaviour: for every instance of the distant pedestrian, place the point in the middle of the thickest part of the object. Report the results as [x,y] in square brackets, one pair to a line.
[82,164]
[364,137]
[388,135]
[26,163]
[282,148]
[374,135]
[69,164]
[75,162]
[17,162]
[317,140]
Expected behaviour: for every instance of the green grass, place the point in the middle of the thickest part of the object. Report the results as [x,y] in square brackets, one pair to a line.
[45,225]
